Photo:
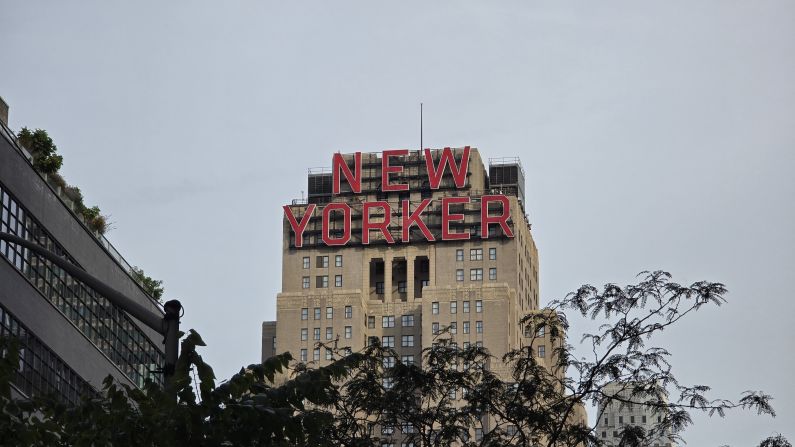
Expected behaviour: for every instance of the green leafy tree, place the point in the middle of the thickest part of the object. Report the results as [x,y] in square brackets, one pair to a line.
[151,286]
[368,398]
[41,147]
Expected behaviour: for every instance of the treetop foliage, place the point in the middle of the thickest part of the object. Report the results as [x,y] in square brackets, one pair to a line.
[452,396]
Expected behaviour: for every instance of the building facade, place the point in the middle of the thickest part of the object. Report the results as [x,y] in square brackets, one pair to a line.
[404,288]
[70,337]
[615,415]
[403,245]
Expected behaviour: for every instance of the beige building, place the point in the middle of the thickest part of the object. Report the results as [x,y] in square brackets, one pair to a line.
[615,415]
[405,293]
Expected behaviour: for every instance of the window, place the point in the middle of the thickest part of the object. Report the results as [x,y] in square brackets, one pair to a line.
[604,434]
[305,313]
[435,328]
[453,307]
[435,308]
[459,255]
[466,307]
[407,428]
[451,393]
[371,322]
[329,313]
[316,333]
[328,354]
[387,382]
[492,274]
[466,327]
[426,282]
[306,262]
[479,344]
[454,327]
[388,341]
[540,331]
[643,419]
[316,354]
[348,331]
[459,275]
[337,280]
[632,419]
[317,313]
[511,430]
[338,261]
[329,333]
[478,306]
[492,254]
[401,286]
[542,351]
[304,334]
[621,420]
[379,288]
[478,434]
[348,311]
[479,327]
[387,430]
[388,321]
[303,355]
[407,359]
[389,362]
[407,320]
[407,341]
[476,274]
[322,262]
[476,254]
[372,341]
[305,282]
[321,282]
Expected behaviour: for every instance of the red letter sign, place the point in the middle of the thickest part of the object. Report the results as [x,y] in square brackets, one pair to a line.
[447,217]
[459,172]
[414,218]
[367,225]
[338,163]
[502,219]
[386,170]
[298,228]
[346,230]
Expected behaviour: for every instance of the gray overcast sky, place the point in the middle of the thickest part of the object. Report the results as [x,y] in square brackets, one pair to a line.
[653,135]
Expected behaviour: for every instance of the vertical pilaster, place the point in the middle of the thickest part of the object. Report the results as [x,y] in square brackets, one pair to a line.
[388,278]
[410,280]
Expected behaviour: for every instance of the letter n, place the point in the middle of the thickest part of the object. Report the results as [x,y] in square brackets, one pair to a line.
[338,165]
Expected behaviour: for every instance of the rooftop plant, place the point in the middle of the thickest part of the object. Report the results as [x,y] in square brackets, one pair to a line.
[151,286]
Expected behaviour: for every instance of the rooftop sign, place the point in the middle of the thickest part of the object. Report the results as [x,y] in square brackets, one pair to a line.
[410,216]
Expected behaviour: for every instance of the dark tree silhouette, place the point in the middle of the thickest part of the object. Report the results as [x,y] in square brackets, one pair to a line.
[453,396]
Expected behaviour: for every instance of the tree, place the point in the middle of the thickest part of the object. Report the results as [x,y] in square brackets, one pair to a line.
[369,397]
[41,147]
[151,286]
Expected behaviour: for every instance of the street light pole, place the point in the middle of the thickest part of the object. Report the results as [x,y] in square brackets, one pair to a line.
[167,325]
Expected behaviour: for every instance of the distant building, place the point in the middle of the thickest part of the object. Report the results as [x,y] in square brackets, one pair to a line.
[356,267]
[71,337]
[614,416]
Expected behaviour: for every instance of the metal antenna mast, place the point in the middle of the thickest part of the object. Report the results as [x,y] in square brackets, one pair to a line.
[420,127]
